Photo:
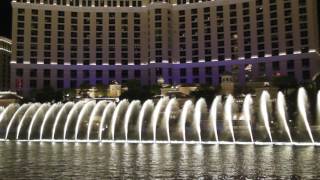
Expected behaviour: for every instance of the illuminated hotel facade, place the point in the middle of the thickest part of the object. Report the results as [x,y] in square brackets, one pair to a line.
[5,58]
[65,43]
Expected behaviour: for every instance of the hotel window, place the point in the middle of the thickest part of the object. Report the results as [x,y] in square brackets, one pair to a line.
[208,70]
[276,65]
[19,60]
[220,35]
[291,74]
[33,84]
[21,25]
[47,73]
[195,80]
[86,74]
[207,34]
[195,71]
[305,63]
[60,84]
[74,3]
[303,18]
[183,72]
[73,73]
[60,61]
[303,27]
[19,72]
[303,2]
[158,35]
[33,61]
[274,30]
[112,62]
[86,62]
[20,18]
[290,64]
[98,73]
[33,73]
[232,6]
[99,82]
[98,62]
[183,81]
[221,69]
[137,73]
[305,75]
[208,80]
[304,42]
[112,73]
[124,62]
[46,61]
[73,84]
[275,45]
[262,68]
[60,73]
[21,11]
[233,34]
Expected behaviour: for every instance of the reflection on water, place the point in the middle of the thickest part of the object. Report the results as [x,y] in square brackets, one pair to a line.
[162,161]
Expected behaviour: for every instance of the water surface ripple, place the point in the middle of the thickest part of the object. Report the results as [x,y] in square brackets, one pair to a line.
[23,160]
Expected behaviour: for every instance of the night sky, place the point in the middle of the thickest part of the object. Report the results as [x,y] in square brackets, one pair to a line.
[5,18]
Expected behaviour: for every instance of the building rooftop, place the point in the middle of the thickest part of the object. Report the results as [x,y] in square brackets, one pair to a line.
[5,44]
[9,95]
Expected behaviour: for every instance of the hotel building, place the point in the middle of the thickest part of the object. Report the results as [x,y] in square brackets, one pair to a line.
[5,58]
[65,43]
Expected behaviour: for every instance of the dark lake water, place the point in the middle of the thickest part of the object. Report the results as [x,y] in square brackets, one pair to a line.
[23,160]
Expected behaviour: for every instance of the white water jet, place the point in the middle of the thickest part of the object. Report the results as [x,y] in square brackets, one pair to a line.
[17,115]
[87,108]
[72,114]
[37,117]
[198,110]
[9,108]
[147,107]
[108,111]
[156,114]
[228,114]
[186,110]
[96,112]
[281,107]
[302,107]
[247,109]
[50,114]
[116,115]
[1,110]
[264,100]
[167,113]
[134,106]
[63,112]
[25,120]
[318,109]
[213,115]
[6,116]
[26,115]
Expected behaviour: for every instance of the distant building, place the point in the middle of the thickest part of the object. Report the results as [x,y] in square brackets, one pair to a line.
[7,98]
[114,90]
[227,83]
[5,58]
[66,43]
[262,84]
[181,93]
[182,88]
